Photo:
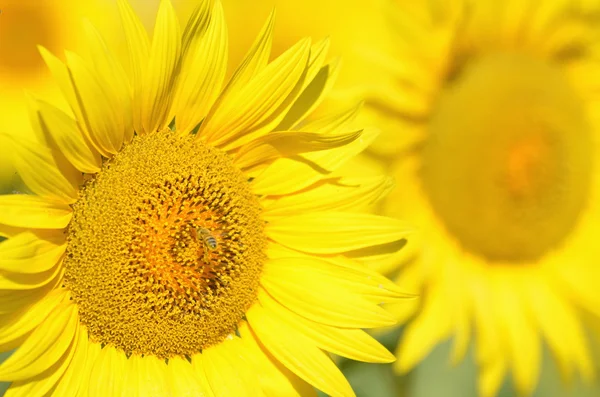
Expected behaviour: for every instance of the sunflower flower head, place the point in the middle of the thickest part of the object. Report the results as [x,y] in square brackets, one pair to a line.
[490,127]
[187,236]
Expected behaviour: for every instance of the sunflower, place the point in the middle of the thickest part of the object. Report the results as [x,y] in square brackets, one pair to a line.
[187,237]
[490,119]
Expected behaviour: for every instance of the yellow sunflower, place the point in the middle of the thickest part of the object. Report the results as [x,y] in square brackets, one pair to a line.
[188,237]
[490,120]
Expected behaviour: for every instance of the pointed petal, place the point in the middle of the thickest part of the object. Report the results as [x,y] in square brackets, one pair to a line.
[64,131]
[28,253]
[44,347]
[108,373]
[44,384]
[274,378]
[298,353]
[255,108]
[37,166]
[19,325]
[20,210]
[227,371]
[138,48]
[203,68]
[431,326]
[117,85]
[340,195]
[101,115]
[184,381]
[355,344]
[321,296]
[335,232]
[163,67]
[71,381]
[267,148]
[286,176]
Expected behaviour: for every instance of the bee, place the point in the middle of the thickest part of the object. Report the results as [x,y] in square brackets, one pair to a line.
[208,240]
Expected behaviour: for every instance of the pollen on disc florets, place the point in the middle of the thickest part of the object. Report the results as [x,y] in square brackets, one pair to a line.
[165,248]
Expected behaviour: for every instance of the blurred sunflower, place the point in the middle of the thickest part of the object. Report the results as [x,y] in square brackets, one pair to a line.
[188,237]
[490,119]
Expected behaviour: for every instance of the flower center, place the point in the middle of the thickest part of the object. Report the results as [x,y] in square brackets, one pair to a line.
[23,26]
[165,249]
[507,166]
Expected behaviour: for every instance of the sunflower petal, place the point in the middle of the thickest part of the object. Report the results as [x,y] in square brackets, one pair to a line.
[560,328]
[64,131]
[286,281]
[255,108]
[108,374]
[340,195]
[203,68]
[163,67]
[346,342]
[100,114]
[18,325]
[45,383]
[274,378]
[20,210]
[227,371]
[267,148]
[138,48]
[335,232]
[41,173]
[521,337]
[71,381]
[109,70]
[286,176]
[44,347]
[184,381]
[28,253]
[298,353]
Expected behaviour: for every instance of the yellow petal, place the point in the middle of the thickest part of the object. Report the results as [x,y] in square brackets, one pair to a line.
[346,342]
[19,210]
[339,194]
[28,253]
[44,347]
[561,329]
[519,333]
[432,325]
[64,131]
[18,325]
[254,109]
[12,301]
[267,148]
[152,380]
[298,353]
[227,371]
[20,281]
[138,48]
[347,272]
[184,381]
[320,296]
[203,68]
[43,383]
[491,377]
[71,381]
[39,170]
[317,76]
[286,176]
[275,379]
[101,115]
[163,67]
[117,85]
[93,351]
[335,232]
[109,372]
